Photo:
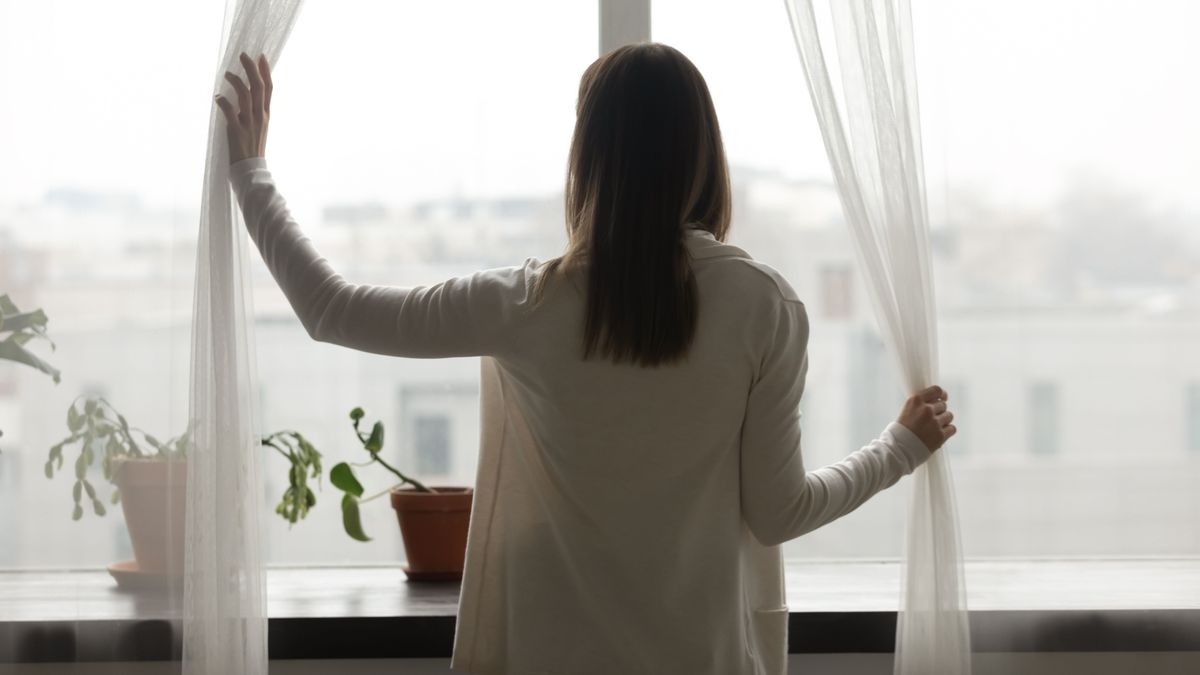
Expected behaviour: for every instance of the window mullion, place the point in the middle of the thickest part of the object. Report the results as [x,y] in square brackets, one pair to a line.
[623,22]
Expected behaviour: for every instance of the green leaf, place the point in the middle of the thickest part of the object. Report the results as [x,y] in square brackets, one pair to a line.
[343,479]
[357,414]
[77,513]
[74,419]
[116,497]
[311,455]
[98,508]
[11,350]
[49,470]
[186,440]
[80,467]
[101,426]
[91,491]
[351,520]
[310,498]
[77,491]
[375,442]
[35,320]
[154,442]
[89,407]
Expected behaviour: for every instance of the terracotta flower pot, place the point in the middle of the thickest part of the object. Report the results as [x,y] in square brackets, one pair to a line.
[434,527]
[154,499]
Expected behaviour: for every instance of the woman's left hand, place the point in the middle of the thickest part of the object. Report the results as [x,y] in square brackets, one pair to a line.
[246,125]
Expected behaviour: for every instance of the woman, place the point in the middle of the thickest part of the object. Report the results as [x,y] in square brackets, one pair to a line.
[640,457]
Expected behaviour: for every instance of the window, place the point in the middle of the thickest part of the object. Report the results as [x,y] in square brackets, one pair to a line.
[1192,417]
[1043,418]
[455,178]
[837,291]
[433,445]
[460,137]
[870,391]
[1065,261]
[960,405]
[1061,242]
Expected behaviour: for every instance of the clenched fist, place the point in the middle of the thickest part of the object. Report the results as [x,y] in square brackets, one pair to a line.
[926,415]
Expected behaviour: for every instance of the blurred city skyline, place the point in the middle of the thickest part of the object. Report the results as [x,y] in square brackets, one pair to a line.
[1037,334]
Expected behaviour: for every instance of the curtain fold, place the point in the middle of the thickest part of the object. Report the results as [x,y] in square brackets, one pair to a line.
[224,606]
[875,153]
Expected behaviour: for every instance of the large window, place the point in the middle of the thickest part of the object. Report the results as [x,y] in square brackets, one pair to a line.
[418,141]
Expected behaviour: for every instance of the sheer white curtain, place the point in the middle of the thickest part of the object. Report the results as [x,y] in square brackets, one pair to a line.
[875,152]
[225,622]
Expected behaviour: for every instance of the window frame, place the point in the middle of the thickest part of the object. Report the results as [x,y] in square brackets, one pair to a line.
[623,22]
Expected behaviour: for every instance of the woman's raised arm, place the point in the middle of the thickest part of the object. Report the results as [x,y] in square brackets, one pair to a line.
[464,316]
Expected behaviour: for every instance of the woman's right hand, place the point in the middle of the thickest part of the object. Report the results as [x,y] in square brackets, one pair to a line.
[926,415]
[246,124]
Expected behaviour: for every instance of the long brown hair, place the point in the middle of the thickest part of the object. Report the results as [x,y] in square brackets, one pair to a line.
[646,159]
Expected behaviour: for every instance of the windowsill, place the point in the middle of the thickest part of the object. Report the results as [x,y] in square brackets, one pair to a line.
[836,607]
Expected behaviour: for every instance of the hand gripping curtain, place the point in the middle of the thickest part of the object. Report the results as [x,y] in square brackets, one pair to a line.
[225,622]
[875,152]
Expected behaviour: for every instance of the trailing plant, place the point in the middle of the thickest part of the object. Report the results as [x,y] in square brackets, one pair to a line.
[101,433]
[17,328]
[342,477]
[305,462]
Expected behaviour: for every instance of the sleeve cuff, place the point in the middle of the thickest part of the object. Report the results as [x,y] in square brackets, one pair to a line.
[912,447]
[242,168]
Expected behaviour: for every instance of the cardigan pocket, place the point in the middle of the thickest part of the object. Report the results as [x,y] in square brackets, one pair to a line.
[770,639]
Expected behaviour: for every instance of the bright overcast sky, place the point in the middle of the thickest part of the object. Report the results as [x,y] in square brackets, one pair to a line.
[402,101]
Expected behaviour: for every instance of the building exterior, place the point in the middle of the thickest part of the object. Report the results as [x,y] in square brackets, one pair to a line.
[1079,402]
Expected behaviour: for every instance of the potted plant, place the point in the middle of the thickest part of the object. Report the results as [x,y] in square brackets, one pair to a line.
[433,521]
[16,329]
[149,479]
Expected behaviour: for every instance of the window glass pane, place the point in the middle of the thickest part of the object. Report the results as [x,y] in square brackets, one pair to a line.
[1043,418]
[960,406]
[433,445]
[102,139]
[413,141]
[1192,416]
[1068,263]
[1066,259]
[837,290]
[786,213]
